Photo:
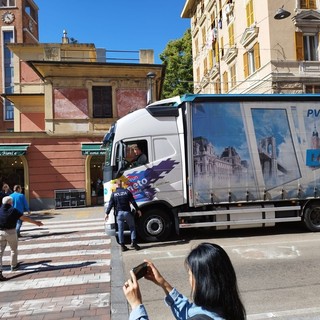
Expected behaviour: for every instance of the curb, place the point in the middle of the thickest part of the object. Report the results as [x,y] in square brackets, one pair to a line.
[119,305]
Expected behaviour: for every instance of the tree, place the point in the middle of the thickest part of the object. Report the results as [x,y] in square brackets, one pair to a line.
[177,57]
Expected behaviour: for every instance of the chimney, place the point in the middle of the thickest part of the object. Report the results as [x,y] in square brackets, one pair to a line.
[146,56]
[65,39]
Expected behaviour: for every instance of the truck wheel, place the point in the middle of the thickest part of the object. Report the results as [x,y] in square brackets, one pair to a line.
[154,225]
[312,218]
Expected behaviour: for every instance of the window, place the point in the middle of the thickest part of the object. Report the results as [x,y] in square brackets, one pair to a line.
[102,101]
[136,153]
[204,36]
[30,11]
[231,35]
[225,82]
[249,13]
[210,59]
[216,51]
[251,60]
[217,87]
[205,66]
[233,75]
[306,46]
[7,3]
[308,4]
[8,73]
[313,89]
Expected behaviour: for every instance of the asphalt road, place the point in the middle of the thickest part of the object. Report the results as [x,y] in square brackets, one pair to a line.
[277,269]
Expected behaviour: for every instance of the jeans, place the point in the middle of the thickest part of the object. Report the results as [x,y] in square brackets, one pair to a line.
[18,226]
[125,216]
[9,236]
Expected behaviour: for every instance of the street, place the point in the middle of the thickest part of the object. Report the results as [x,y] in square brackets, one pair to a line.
[277,270]
[65,269]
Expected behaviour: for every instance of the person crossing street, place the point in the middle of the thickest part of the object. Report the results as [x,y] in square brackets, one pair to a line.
[8,220]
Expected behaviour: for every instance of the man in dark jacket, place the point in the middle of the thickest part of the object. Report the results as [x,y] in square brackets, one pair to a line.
[120,200]
[8,221]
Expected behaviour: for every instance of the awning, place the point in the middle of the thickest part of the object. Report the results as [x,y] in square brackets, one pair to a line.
[92,149]
[13,149]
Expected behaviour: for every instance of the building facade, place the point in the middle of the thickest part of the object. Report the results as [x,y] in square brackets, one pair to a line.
[242,46]
[64,100]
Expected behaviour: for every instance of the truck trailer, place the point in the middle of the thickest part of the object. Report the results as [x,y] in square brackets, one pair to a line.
[220,161]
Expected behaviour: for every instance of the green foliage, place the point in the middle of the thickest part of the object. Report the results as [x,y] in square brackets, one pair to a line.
[177,57]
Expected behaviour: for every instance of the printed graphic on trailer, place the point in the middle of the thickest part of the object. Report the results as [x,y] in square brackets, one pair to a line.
[235,144]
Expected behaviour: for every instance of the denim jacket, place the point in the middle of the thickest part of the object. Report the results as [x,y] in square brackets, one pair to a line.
[181,308]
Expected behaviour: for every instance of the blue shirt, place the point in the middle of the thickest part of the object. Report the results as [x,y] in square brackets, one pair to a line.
[19,202]
[180,306]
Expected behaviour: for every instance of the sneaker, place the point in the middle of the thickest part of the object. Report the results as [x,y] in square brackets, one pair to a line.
[135,246]
[124,248]
[2,278]
[16,267]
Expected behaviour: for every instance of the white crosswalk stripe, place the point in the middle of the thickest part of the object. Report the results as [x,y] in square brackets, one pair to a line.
[71,257]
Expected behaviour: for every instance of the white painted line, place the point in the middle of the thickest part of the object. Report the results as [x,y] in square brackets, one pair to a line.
[41,256]
[288,313]
[65,244]
[54,282]
[48,305]
[60,229]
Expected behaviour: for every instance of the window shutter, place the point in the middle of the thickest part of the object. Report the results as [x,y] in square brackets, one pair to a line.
[231,35]
[299,45]
[210,58]
[249,13]
[312,4]
[216,49]
[245,65]
[225,82]
[256,52]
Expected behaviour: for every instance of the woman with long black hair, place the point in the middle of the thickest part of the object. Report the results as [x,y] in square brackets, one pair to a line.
[213,282]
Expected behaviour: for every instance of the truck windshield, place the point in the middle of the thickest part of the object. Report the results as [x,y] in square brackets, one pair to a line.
[107,144]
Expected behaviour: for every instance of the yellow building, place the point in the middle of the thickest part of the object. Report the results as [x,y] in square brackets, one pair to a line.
[248,46]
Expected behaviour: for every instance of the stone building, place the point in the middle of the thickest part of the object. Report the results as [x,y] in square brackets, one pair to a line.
[254,46]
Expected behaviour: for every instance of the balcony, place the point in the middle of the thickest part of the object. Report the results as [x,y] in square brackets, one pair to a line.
[292,68]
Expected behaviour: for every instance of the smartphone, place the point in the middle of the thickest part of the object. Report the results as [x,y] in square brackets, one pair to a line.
[140,270]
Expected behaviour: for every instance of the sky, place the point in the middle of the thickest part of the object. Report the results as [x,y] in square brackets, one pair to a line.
[126,25]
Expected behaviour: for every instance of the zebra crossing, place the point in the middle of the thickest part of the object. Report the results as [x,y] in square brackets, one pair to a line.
[64,272]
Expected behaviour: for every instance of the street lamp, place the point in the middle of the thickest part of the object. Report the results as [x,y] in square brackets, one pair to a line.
[150,77]
[281,14]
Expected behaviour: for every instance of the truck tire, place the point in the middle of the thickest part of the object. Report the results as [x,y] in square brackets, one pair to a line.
[154,225]
[312,218]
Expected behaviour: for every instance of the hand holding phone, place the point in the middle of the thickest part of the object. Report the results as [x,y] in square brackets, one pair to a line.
[140,270]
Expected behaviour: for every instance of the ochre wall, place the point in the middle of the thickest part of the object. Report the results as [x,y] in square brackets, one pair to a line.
[54,165]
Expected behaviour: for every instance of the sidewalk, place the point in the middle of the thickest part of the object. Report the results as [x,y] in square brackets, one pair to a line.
[70,270]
